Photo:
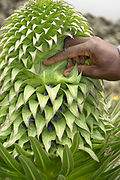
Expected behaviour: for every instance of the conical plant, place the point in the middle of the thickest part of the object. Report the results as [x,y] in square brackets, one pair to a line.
[39,101]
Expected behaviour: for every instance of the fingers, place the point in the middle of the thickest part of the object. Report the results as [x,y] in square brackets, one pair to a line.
[79,60]
[71,52]
[68,70]
[90,71]
[70,63]
[75,41]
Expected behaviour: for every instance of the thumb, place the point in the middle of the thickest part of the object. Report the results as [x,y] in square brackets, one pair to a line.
[90,71]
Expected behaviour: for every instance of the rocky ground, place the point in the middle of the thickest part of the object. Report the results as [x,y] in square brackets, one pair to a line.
[106,29]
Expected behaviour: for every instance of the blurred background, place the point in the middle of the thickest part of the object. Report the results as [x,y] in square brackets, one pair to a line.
[103,16]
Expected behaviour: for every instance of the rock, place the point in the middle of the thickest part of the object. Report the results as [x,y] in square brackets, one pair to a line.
[112,87]
[105,29]
[112,40]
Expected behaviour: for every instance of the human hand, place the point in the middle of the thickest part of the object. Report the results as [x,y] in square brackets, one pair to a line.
[105,57]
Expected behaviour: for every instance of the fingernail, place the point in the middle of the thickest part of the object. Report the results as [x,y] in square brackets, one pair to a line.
[66,74]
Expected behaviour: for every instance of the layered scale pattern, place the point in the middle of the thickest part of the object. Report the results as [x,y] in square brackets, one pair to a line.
[39,101]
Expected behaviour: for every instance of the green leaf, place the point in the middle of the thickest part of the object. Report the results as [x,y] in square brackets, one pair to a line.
[11,109]
[52,92]
[97,135]
[81,106]
[115,108]
[40,124]
[60,151]
[42,100]
[69,97]
[26,115]
[5,88]
[8,122]
[11,175]
[6,132]
[91,153]
[90,122]
[86,135]
[97,83]
[41,157]
[74,109]
[47,137]
[3,114]
[48,113]
[22,28]
[2,63]
[57,103]
[33,55]
[25,61]
[16,124]
[68,162]
[21,151]
[30,170]
[28,91]
[12,94]
[70,134]
[76,142]
[70,118]
[32,130]
[81,122]
[54,166]
[23,140]
[17,44]
[6,82]
[33,104]
[4,73]
[20,101]
[91,100]
[87,107]
[13,139]
[17,85]
[14,73]
[83,88]
[20,54]
[103,168]
[59,127]
[9,160]
[101,125]
[3,111]
[95,113]
[115,116]
[61,177]
[73,76]
[66,141]
[11,49]
[73,90]
[5,101]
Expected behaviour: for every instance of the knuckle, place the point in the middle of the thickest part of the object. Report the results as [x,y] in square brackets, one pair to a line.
[66,52]
[67,42]
[96,38]
[94,42]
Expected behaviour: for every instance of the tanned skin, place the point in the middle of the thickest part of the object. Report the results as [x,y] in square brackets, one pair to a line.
[104,56]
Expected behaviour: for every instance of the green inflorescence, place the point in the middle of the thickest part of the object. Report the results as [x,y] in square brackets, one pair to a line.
[39,101]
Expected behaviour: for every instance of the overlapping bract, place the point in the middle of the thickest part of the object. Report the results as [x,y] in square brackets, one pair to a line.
[39,101]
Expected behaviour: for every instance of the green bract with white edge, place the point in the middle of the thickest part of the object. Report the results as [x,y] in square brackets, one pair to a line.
[39,101]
